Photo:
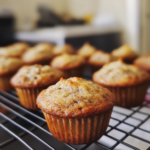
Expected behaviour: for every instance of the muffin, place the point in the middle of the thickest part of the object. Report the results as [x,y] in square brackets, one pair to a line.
[8,66]
[86,50]
[38,55]
[124,52]
[14,50]
[98,59]
[29,81]
[127,82]
[143,62]
[58,50]
[71,65]
[77,111]
[43,45]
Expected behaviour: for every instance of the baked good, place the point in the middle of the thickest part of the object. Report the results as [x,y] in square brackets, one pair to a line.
[128,82]
[125,52]
[98,59]
[8,66]
[29,81]
[14,50]
[86,50]
[71,65]
[38,55]
[77,111]
[44,45]
[143,62]
[67,48]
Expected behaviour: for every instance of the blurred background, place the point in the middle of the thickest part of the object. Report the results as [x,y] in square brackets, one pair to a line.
[103,23]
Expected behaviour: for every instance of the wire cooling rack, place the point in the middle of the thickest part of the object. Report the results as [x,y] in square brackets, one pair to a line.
[22,129]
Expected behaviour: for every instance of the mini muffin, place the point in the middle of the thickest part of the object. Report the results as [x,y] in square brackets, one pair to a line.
[98,59]
[124,52]
[8,66]
[143,62]
[29,81]
[127,82]
[77,111]
[58,50]
[14,50]
[38,55]
[71,65]
[42,46]
[86,50]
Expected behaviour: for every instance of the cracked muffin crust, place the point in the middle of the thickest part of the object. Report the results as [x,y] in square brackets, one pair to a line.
[99,58]
[58,50]
[75,97]
[86,50]
[36,76]
[120,74]
[37,55]
[143,62]
[67,61]
[14,50]
[125,52]
[9,65]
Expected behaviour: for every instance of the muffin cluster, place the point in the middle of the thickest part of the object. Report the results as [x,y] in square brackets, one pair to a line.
[77,111]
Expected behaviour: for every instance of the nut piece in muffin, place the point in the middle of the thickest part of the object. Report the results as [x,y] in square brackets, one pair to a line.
[128,82]
[98,59]
[58,50]
[38,55]
[71,65]
[29,81]
[14,50]
[143,62]
[77,111]
[8,66]
[124,52]
[86,50]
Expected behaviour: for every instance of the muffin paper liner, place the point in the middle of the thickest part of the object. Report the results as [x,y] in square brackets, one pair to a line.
[28,96]
[75,72]
[131,96]
[5,83]
[78,130]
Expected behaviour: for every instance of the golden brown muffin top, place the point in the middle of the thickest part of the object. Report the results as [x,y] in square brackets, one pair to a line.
[86,50]
[124,52]
[14,50]
[9,65]
[99,58]
[67,61]
[41,46]
[58,50]
[36,76]
[75,97]
[120,74]
[35,55]
[143,62]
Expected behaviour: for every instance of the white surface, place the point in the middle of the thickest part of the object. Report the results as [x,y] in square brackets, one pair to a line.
[139,116]
[122,147]
[125,127]
[107,141]
[118,116]
[146,125]
[145,110]
[137,143]
[132,121]
[116,134]
[113,122]
[122,110]
[142,134]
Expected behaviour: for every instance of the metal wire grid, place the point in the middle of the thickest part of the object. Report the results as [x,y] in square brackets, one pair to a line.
[20,122]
